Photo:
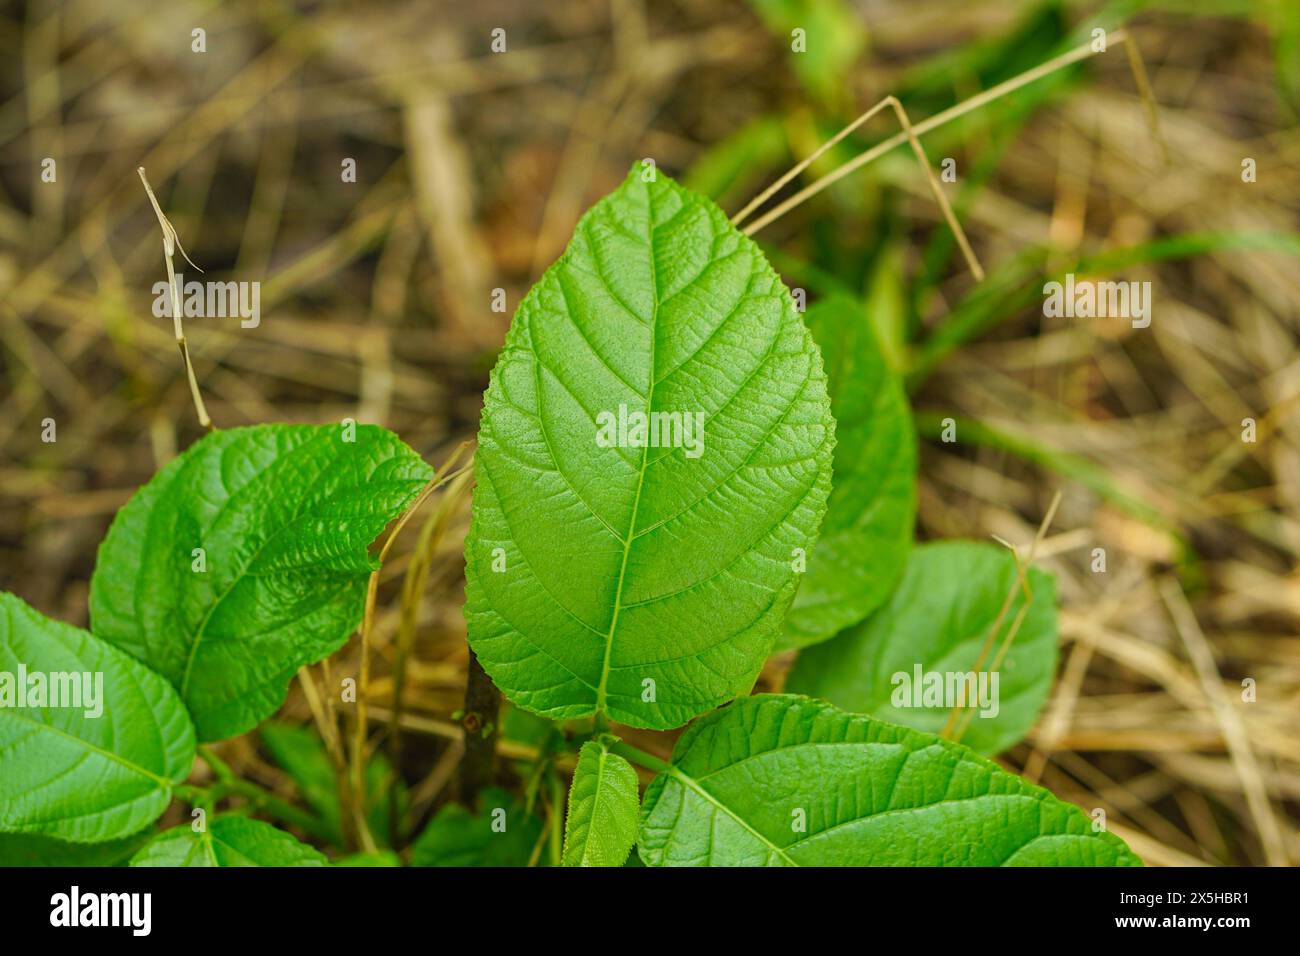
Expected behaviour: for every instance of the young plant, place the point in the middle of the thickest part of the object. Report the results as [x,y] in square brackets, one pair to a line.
[240,562]
[656,458]
[633,581]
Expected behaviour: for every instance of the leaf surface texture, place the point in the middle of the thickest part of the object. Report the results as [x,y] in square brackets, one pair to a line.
[780,780]
[940,618]
[228,841]
[637,581]
[285,515]
[66,772]
[601,826]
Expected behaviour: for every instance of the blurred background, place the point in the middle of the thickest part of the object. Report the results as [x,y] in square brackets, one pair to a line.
[472,165]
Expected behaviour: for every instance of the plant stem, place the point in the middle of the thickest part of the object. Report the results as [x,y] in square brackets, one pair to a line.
[557,818]
[194,796]
[219,767]
[414,584]
[638,756]
[925,126]
[172,242]
[282,810]
[357,778]
[482,712]
[230,784]
[357,766]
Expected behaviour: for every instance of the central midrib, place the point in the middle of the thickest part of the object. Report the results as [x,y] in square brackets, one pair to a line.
[692,783]
[645,455]
[600,777]
[100,751]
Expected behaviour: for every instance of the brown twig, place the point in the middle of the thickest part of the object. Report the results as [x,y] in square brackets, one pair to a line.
[481,725]
[920,129]
[358,756]
[172,242]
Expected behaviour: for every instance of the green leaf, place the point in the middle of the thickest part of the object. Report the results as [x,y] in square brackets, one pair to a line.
[28,849]
[228,841]
[939,620]
[92,772]
[640,582]
[524,727]
[868,528]
[303,756]
[601,826]
[781,780]
[383,858]
[886,305]
[284,515]
[503,833]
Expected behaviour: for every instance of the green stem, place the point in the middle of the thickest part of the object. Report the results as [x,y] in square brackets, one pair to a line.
[202,798]
[280,809]
[637,756]
[557,820]
[219,766]
[229,784]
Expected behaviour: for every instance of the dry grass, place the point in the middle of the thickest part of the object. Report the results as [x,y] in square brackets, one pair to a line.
[472,168]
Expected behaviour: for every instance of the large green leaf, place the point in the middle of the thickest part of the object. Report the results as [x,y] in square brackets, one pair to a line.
[285,515]
[227,841]
[645,583]
[938,622]
[783,780]
[601,826]
[28,849]
[868,528]
[502,833]
[96,771]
